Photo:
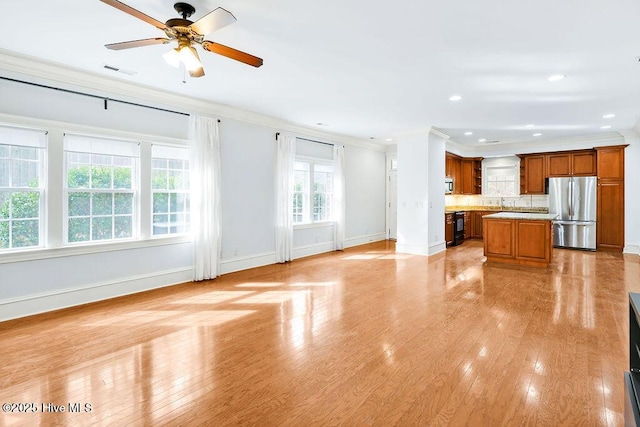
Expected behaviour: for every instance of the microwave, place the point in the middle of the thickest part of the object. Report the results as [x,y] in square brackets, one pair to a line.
[448,185]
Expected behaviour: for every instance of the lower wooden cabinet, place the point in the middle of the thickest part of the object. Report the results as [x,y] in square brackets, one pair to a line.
[467,225]
[448,228]
[610,224]
[515,241]
[476,224]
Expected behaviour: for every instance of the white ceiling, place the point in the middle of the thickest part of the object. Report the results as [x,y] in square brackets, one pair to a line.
[378,69]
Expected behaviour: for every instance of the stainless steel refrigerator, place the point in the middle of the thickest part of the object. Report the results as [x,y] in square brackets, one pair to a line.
[574,201]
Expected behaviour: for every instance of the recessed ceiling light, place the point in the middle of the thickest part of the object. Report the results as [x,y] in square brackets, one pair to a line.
[530,126]
[482,140]
[605,127]
[608,116]
[468,133]
[389,139]
[455,98]
[556,77]
[537,134]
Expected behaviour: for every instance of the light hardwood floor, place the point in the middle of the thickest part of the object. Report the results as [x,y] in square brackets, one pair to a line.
[361,337]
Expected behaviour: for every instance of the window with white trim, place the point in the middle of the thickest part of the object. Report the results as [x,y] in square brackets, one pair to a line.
[170,187]
[101,188]
[21,188]
[312,191]
[501,181]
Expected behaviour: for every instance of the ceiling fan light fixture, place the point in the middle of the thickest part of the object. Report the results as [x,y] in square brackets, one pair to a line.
[172,58]
[189,58]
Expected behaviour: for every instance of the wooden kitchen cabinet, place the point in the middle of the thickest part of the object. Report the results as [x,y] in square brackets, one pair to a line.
[610,221]
[453,168]
[583,163]
[532,173]
[467,225]
[518,241]
[476,224]
[448,229]
[610,162]
[610,198]
[467,176]
[477,176]
[466,173]
[574,163]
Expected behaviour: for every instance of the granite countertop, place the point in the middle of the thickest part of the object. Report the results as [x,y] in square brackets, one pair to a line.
[522,215]
[496,209]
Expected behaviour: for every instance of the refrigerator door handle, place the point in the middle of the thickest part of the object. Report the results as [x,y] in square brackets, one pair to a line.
[574,222]
[571,199]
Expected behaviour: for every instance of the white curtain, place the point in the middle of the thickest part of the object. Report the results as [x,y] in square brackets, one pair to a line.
[204,168]
[338,196]
[284,197]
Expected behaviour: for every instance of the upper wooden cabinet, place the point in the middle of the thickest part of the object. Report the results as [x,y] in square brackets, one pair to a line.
[467,176]
[611,162]
[532,173]
[466,173]
[574,163]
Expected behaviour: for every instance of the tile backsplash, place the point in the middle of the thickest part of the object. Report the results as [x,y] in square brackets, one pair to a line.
[523,201]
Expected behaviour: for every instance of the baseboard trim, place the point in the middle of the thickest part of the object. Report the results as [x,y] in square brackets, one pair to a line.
[364,239]
[244,263]
[49,301]
[412,249]
[631,249]
[436,248]
[305,251]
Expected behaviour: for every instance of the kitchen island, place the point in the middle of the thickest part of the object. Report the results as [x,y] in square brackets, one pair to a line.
[518,238]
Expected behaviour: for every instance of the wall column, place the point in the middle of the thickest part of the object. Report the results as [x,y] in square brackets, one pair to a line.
[421,159]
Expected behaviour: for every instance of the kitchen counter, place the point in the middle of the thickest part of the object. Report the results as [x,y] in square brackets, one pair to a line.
[518,238]
[523,216]
[496,209]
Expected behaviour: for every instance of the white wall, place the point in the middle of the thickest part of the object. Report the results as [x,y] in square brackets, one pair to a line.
[436,171]
[631,199]
[413,195]
[365,195]
[60,277]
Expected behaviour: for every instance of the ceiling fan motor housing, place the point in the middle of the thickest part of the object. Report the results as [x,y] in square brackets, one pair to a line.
[184,9]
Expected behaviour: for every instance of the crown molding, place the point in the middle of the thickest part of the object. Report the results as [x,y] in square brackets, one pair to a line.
[440,133]
[541,146]
[40,71]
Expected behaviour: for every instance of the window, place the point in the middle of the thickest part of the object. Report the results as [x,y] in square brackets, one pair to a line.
[101,188]
[21,187]
[312,191]
[501,181]
[170,186]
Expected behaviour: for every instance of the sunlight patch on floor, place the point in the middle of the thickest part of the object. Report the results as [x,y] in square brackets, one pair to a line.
[212,297]
[259,284]
[303,284]
[271,297]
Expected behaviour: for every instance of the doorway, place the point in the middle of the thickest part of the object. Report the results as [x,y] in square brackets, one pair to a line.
[392,198]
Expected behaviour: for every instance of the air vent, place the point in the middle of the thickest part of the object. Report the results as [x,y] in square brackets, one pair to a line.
[119,70]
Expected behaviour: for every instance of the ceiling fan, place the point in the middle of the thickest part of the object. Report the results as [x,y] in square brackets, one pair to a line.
[186,33]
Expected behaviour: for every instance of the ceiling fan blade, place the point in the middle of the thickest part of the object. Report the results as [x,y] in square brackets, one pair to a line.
[232,53]
[214,20]
[136,43]
[133,12]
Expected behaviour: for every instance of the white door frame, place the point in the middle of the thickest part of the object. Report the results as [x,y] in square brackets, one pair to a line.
[390,205]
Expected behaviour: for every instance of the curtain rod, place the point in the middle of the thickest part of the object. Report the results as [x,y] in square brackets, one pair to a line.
[106,99]
[310,140]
